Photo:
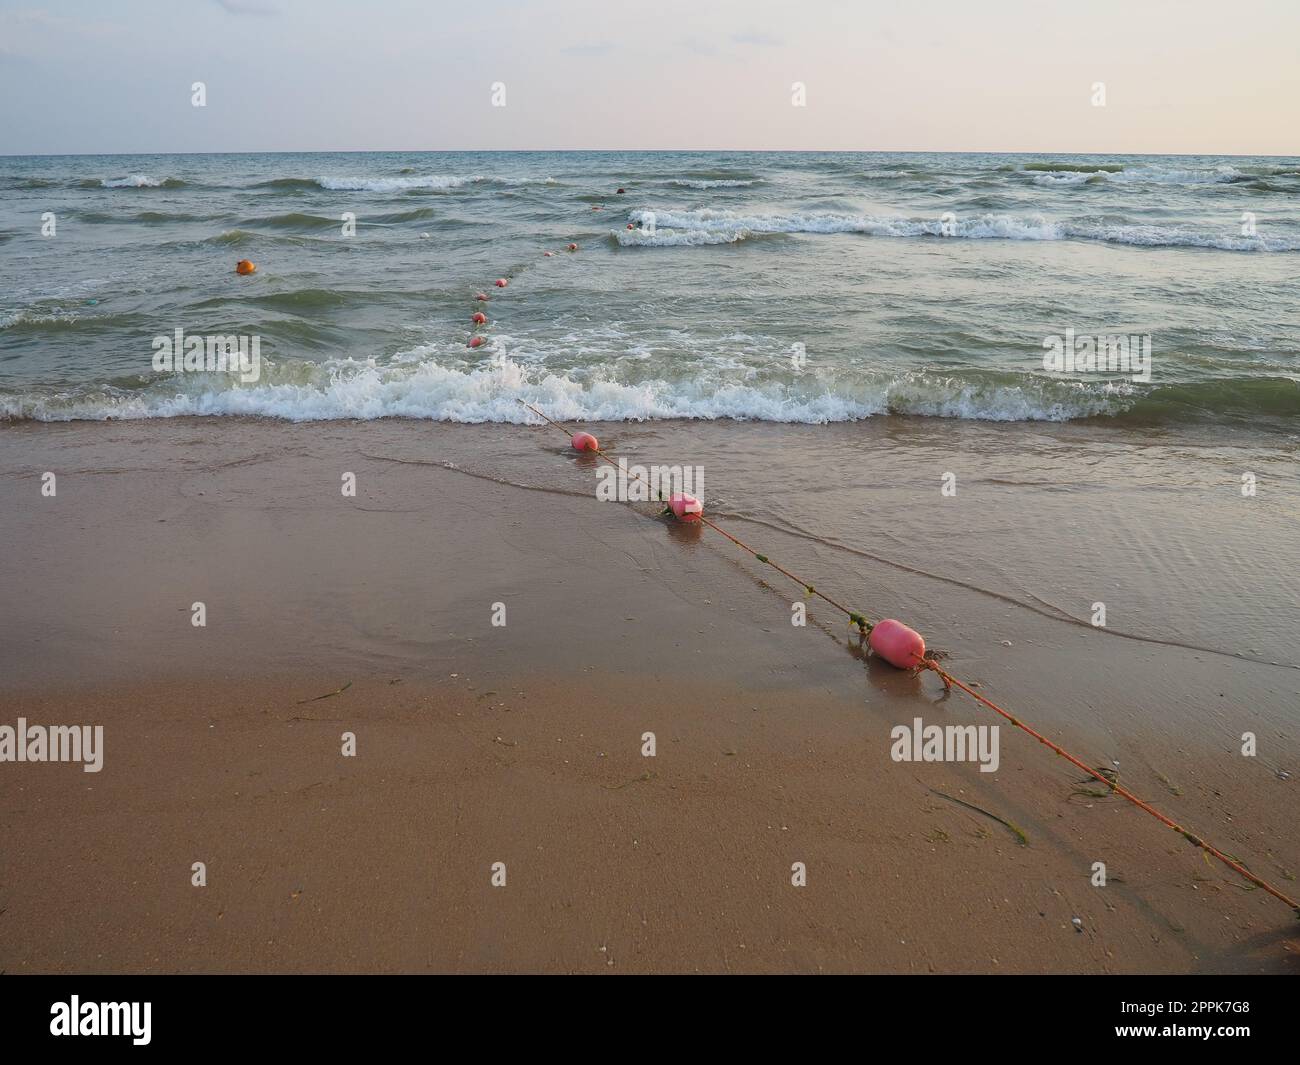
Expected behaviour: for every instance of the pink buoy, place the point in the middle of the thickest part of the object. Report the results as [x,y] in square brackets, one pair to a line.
[547,254]
[631,226]
[585,442]
[479,318]
[573,247]
[482,297]
[475,341]
[502,282]
[897,644]
[685,507]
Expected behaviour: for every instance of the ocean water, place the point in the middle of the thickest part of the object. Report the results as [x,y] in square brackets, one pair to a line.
[788,287]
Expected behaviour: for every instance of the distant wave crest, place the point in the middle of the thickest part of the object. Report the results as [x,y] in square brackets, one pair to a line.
[393,184]
[136,181]
[709,226]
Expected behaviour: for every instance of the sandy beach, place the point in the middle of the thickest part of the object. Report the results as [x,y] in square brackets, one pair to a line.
[522,743]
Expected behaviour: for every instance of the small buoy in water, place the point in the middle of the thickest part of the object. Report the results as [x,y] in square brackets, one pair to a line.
[594,207]
[621,191]
[475,341]
[547,254]
[502,282]
[245,267]
[424,236]
[573,247]
[897,644]
[478,318]
[584,442]
[482,297]
[631,226]
[685,507]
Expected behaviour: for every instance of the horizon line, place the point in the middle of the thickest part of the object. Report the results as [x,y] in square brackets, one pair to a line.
[658,151]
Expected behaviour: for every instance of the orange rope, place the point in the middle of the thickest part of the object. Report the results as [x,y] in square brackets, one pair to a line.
[950,681]
[1235,866]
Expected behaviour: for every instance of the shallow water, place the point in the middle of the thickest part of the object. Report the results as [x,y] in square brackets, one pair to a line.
[777,286]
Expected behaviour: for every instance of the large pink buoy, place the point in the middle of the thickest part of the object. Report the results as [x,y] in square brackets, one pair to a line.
[897,644]
[585,442]
[502,282]
[478,318]
[685,507]
[475,341]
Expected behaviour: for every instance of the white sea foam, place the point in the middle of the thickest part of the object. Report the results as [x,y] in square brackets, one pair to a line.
[1139,174]
[419,386]
[709,226]
[1055,179]
[712,183]
[1175,175]
[131,181]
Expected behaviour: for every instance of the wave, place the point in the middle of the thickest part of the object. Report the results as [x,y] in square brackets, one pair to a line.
[1058,174]
[1075,168]
[134,181]
[713,183]
[710,226]
[436,182]
[288,183]
[419,385]
[1070,177]
[140,217]
[292,220]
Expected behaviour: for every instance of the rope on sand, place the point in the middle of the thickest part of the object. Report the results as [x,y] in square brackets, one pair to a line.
[949,681]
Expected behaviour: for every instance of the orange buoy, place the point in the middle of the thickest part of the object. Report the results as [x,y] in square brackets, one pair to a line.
[245,267]
[502,282]
[585,442]
[482,297]
[573,247]
[478,318]
[897,644]
[685,507]
[475,341]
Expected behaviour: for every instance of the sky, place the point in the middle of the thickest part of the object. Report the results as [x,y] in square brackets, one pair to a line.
[1179,76]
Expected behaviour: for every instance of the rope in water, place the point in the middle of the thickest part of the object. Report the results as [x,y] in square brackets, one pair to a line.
[949,682]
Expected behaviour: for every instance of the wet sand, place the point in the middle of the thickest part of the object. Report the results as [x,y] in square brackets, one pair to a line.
[522,744]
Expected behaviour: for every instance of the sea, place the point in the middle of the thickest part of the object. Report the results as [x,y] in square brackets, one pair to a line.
[808,288]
